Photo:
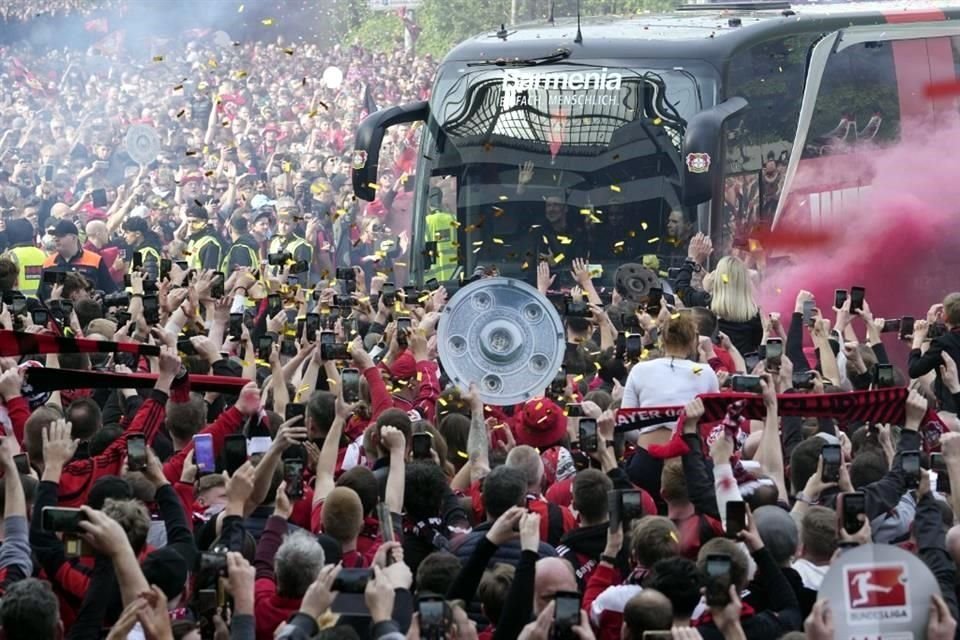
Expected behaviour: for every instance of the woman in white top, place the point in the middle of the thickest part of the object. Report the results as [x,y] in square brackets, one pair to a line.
[672,380]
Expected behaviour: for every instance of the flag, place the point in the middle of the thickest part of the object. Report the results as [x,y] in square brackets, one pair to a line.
[369,104]
[111,44]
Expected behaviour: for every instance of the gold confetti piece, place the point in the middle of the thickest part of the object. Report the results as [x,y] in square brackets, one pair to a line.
[525,266]
[632,233]
[697,370]
[463,454]
[158,58]
[373,185]
[619,244]
[181,112]
[497,241]
[614,187]
[538,406]
[502,198]
[657,121]
[497,212]
[499,426]
[478,243]
[442,402]
[312,114]
[558,259]
[644,354]
[578,378]
[212,63]
[595,220]
[331,382]
[725,278]
[240,10]
[289,52]
[673,536]
[179,87]
[585,212]
[419,376]
[240,74]
[267,22]
[644,225]
[564,240]
[597,366]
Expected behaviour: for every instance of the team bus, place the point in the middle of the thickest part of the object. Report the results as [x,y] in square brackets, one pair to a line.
[614,138]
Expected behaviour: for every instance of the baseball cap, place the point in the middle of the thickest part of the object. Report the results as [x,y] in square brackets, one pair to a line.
[65,228]
[260,201]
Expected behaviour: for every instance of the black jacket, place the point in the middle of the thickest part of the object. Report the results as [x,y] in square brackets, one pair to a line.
[508,553]
[931,361]
[582,548]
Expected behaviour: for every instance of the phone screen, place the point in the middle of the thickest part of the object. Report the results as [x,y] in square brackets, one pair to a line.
[203,453]
[856,299]
[293,476]
[40,317]
[274,304]
[906,328]
[264,347]
[48,172]
[910,460]
[839,298]
[883,376]
[99,197]
[386,522]
[312,326]
[217,290]
[136,452]
[23,465]
[403,326]
[236,325]
[746,384]
[633,345]
[736,517]
[350,383]
[588,435]
[808,307]
[832,458]
[939,466]
[566,614]
[774,352]
[151,309]
[852,506]
[234,452]
[294,410]
[718,579]
[61,519]
[422,444]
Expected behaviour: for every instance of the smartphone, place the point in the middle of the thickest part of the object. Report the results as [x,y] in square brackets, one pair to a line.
[654,301]
[288,347]
[574,410]
[803,380]
[718,567]
[265,346]
[566,614]
[151,309]
[293,410]
[48,173]
[411,295]
[274,304]
[136,452]
[745,384]
[99,197]
[576,309]
[234,452]
[939,466]
[217,290]
[403,326]
[351,580]
[832,458]
[213,563]
[61,519]
[347,274]
[165,266]
[559,383]
[293,476]
[422,445]
[856,299]
[23,465]
[883,376]
[386,522]
[203,454]
[350,385]
[906,328]
[851,507]
[588,435]
[300,266]
[389,294]
[808,308]
[736,518]
[40,317]
[633,346]
[311,326]
[910,461]
[434,616]
[137,261]
[236,325]
[53,277]
[293,282]
[839,298]
[774,353]
[432,284]
[891,326]
[624,505]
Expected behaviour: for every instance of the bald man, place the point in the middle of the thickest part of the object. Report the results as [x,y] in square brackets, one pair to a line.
[553,575]
[59,211]
[98,241]
[555,520]
[649,610]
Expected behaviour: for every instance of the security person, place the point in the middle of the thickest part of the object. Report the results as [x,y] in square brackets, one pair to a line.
[286,239]
[245,251]
[441,239]
[70,257]
[144,242]
[25,254]
[204,247]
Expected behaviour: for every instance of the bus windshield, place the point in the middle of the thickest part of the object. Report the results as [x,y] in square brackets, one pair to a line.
[552,163]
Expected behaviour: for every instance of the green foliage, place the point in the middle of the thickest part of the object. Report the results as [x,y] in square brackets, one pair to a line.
[381,31]
[446,23]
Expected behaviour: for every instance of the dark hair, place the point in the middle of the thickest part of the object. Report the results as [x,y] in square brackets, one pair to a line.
[78,361]
[679,579]
[239,224]
[455,429]
[705,319]
[29,611]
[590,489]
[866,468]
[648,610]
[494,589]
[424,490]
[504,487]
[818,533]
[87,310]
[186,419]
[85,416]
[397,418]
[321,409]
[73,283]
[437,572]
[8,275]
[103,438]
[365,484]
[804,461]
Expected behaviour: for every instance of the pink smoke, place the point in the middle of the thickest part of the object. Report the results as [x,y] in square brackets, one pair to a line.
[900,241]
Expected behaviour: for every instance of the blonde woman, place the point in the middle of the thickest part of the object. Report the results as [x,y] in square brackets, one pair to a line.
[727,291]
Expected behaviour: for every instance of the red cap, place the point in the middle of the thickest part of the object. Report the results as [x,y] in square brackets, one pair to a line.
[541,423]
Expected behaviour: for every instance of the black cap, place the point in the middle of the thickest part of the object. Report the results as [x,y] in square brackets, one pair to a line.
[167,569]
[65,228]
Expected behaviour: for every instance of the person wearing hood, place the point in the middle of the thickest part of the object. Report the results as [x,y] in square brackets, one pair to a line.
[145,243]
[24,253]
[244,250]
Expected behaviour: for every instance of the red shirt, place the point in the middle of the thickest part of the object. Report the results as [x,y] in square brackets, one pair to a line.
[271,610]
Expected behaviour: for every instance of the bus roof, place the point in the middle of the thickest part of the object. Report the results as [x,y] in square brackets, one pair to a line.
[720,31]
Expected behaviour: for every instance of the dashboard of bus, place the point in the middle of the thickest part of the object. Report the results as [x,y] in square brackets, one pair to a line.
[553,162]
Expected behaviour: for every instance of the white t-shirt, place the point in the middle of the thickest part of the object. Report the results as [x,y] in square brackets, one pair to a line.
[667,382]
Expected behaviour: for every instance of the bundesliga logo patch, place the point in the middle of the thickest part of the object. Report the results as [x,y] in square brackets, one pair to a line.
[876,593]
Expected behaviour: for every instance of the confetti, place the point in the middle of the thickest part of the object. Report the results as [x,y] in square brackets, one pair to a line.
[158,58]
[674,316]
[497,212]
[212,63]
[478,243]
[644,225]
[289,52]
[538,406]
[586,212]
[497,241]
[525,266]
[673,536]
[614,187]
[619,244]
[331,382]
[697,370]
[558,259]
[181,112]
[462,454]
[657,122]
[240,9]
[502,198]
[267,22]
[653,240]
[442,402]
[725,278]
[564,240]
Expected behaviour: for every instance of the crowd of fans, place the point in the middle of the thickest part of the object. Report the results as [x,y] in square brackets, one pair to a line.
[272,448]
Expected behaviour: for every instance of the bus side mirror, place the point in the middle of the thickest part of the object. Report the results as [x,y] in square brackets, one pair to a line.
[701,150]
[369,137]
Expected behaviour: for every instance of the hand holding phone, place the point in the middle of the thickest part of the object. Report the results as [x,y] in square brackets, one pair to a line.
[136,452]
[832,458]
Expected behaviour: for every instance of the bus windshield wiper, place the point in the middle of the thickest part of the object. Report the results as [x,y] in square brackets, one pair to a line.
[557,56]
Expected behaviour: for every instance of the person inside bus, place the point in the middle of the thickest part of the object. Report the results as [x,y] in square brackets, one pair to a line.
[561,233]
[673,248]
